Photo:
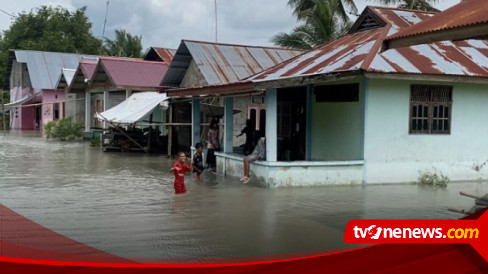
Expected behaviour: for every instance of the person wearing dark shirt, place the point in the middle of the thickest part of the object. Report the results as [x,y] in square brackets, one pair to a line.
[248,130]
[197,162]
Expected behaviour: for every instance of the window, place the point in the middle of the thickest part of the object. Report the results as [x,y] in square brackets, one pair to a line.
[256,113]
[430,109]
[337,93]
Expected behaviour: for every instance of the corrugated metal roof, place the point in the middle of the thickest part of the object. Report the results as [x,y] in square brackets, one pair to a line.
[466,13]
[65,78]
[165,54]
[466,58]
[223,63]
[88,68]
[130,72]
[356,52]
[45,67]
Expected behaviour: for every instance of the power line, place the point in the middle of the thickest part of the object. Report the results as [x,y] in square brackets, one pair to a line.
[9,14]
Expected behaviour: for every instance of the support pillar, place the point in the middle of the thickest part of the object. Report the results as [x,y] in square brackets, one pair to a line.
[87,112]
[229,125]
[308,123]
[106,106]
[271,102]
[195,121]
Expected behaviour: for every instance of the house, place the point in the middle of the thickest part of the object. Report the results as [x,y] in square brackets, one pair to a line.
[158,54]
[198,63]
[32,78]
[353,111]
[109,81]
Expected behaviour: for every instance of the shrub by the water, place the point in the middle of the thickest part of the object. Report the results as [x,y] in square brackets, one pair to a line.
[433,178]
[63,129]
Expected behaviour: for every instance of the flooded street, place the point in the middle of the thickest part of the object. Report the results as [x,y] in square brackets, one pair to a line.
[124,204]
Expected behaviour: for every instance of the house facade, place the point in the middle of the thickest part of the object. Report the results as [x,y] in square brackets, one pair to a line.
[101,84]
[197,64]
[351,112]
[32,78]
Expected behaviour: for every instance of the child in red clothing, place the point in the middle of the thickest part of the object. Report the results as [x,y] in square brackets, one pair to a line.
[179,168]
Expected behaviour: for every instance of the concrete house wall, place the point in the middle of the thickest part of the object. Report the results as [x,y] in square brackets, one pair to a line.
[393,155]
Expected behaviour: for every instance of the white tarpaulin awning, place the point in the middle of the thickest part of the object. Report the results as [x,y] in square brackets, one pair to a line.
[134,108]
[20,102]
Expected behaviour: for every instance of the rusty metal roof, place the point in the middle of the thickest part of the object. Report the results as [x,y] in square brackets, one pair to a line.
[362,51]
[223,63]
[466,13]
[354,51]
[130,73]
[463,58]
[160,54]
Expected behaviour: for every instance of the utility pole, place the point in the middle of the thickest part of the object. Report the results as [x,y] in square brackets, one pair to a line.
[104,24]
[216,21]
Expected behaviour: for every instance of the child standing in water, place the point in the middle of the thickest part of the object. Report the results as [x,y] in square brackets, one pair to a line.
[197,162]
[179,168]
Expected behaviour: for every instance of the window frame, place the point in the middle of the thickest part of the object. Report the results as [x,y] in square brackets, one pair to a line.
[431,104]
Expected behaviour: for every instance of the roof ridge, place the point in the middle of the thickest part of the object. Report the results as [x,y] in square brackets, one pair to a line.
[129,59]
[238,45]
[401,9]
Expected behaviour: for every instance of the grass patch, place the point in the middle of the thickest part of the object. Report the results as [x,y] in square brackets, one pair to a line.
[432,178]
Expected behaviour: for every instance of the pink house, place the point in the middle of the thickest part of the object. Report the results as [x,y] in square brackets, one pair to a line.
[32,78]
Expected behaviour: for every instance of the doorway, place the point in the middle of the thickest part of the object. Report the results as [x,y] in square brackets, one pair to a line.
[292,113]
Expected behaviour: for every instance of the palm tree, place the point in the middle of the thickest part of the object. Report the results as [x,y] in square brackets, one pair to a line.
[425,5]
[124,45]
[300,7]
[320,25]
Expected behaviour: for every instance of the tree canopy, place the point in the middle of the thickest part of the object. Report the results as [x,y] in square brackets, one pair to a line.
[124,45]
[49,29]
[321,21]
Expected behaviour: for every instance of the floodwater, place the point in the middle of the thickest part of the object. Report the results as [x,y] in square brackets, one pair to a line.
[124,204]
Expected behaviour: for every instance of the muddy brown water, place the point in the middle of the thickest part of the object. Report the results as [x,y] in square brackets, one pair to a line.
[124,204]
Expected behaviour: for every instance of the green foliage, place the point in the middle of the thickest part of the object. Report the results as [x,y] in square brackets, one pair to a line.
[49,29]
[433,178]
[124,45]
[321,22]
[425,5]
[95,142]
[64,129]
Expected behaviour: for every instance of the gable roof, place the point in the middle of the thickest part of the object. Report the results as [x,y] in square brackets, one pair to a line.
[468,19]
[65,78]
[160,55]
[83,73]
[129,73]
[361,51]
[44,67]
[223,63]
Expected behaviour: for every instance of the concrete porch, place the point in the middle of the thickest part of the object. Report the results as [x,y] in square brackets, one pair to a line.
[293,174]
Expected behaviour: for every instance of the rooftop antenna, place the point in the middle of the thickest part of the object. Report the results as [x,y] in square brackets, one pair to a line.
[216,21]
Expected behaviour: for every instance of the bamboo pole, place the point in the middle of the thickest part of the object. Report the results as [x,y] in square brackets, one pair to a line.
[170,130]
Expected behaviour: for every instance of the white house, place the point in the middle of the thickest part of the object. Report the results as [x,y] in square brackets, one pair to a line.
[351,112]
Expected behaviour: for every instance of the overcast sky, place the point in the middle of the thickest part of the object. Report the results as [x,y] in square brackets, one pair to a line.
[164,23]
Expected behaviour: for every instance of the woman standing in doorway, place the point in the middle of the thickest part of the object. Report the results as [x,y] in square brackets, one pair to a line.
[213,145]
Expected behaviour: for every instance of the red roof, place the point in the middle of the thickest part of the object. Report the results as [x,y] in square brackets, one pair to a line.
[130,72]
[165,54]
[466,13]
[88,68]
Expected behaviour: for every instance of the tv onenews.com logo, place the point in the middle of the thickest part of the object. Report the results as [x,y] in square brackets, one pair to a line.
[375,232]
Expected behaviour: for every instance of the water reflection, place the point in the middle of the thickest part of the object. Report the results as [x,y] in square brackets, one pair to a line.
[125,204]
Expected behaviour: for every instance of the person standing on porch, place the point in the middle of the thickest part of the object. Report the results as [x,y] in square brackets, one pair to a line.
[213,145]
[259,153]
[248,130]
